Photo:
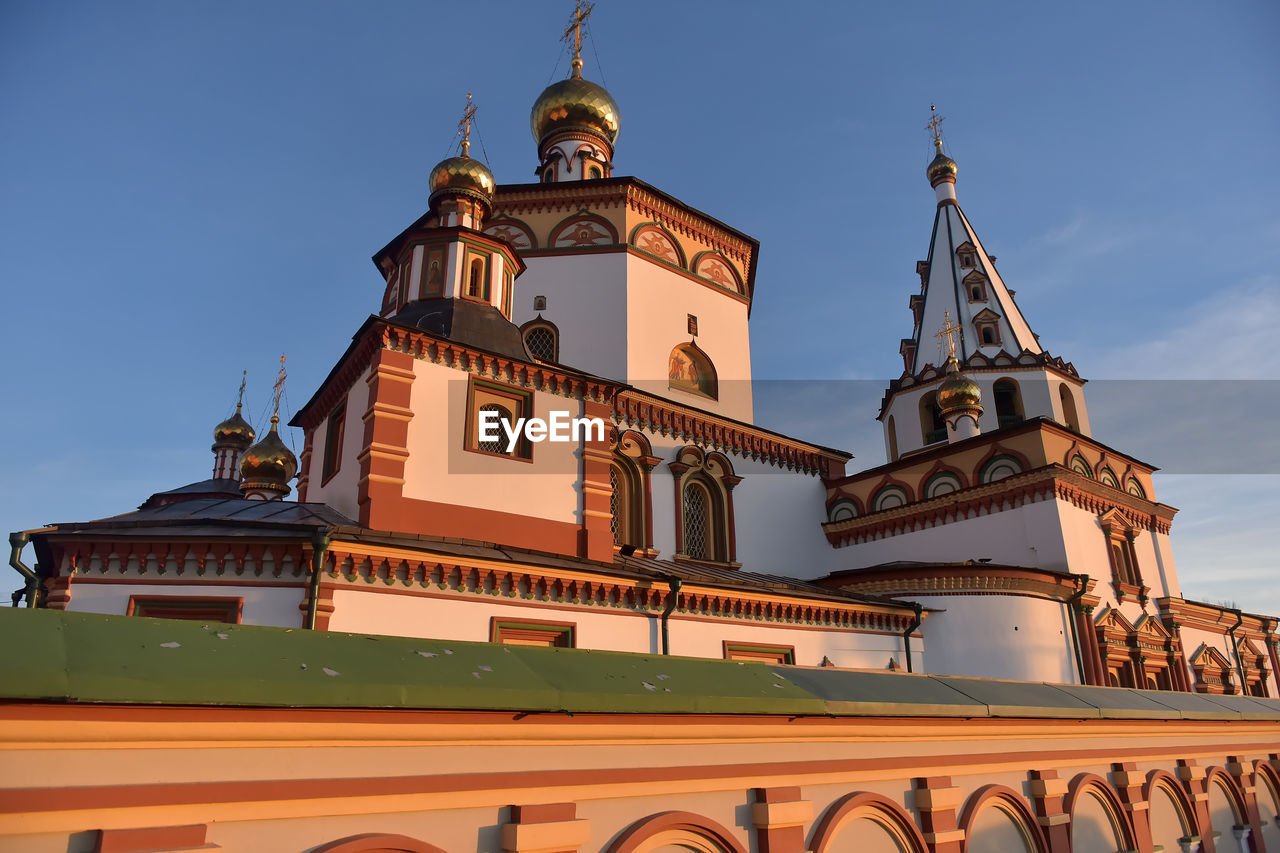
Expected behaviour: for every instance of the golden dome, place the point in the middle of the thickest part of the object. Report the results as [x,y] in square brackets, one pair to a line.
[941,168]
[269,465]
[462,176]
[575,104]
[957,390]
[233,432]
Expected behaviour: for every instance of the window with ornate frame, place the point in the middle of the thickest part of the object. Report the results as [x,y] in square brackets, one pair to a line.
[510,405]
[194,608]
[967,254]
[704,485]
[758,652]
[532,632]
[477,281]
[975,286]
[1126,576]
[986,324]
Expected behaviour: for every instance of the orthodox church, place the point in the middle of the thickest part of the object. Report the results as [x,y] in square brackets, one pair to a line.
[543,436]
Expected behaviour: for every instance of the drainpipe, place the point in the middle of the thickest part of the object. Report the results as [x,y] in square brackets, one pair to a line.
[1072,603]
[1235,646]
[319,544]
[18,541]
[672,598]
[906,635]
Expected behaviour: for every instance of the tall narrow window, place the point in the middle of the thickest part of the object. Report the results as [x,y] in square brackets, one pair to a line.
[892,432]
[697,522]
[1008,402]
[625,507]
[1068,401]
[477,279]
[933,428]
[333,443]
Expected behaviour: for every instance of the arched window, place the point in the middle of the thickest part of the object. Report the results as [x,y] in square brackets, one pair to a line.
[1008,402]
[1068,407]
[689,369]
[594,173]
[704,505]
[933,428]
[542,340]
[477,280]
[549,173]
[892,432]
[626,503]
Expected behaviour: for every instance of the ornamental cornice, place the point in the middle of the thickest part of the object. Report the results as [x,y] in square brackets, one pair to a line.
[974,583]
[638,410]
[1038,484]
[348,564]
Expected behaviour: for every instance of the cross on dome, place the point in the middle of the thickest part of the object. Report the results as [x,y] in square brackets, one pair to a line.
[947,334]
[279,389]
[573,33]
[464,125]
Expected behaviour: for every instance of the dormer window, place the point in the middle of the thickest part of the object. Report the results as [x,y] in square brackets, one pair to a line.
[987,325]
[968,255]
[975,285]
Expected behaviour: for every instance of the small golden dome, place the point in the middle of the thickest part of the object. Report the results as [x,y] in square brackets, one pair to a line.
[957,390]
[233,432]
[575,104]
[941,168]
[462,176]
[269,465]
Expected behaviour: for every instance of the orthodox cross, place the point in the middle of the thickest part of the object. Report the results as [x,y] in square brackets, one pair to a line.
[947,334]
[935,126]
[573,32]
[244,375]
[468,115]
[279,389]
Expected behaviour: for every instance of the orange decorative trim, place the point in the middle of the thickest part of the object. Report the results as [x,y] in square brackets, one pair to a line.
[829,828]
[1085,783]
[1012,801]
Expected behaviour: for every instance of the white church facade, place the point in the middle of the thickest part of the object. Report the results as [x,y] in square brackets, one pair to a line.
[1000,542]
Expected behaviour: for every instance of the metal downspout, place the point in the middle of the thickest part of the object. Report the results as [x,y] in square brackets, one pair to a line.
[1072,602]
[18,541]
[1235,647]
[319,544]
[906,635]
[672,598]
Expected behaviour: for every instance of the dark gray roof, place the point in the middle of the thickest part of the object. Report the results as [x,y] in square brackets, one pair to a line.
[214,488]
[475,324]
[214,514]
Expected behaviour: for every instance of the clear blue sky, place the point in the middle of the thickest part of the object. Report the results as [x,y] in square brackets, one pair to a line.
[191,189]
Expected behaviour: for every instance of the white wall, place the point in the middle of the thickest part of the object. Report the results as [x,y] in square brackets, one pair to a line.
[587,300]
[1029,535]
[263,605]
[659,301]
[999,636]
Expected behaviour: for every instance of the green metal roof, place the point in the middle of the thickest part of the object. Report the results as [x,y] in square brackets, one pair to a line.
[90,658]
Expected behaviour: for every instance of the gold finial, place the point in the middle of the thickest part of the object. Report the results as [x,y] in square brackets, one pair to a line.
[468,115]
[573,33]
[947,334]
[935,127]
[279,389]
[244,375]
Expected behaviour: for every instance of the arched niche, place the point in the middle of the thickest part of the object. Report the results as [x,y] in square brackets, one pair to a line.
[867,823]
[689,369]
[676,832]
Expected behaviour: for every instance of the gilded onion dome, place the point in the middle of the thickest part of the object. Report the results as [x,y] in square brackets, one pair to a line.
[269,465]
[234,432]
[575,104]
[942,167]
[957,390]
[461,176]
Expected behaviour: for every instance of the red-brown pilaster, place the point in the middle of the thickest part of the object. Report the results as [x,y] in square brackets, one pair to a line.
[1193,778]
[1242,772]
[386,439]
[1129,784]
[545,828]
[936,801]
[780,817]
[596,535]
[1047,794]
